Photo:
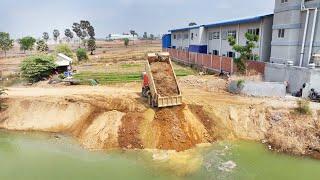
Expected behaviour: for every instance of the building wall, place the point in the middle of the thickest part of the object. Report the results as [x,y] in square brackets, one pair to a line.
[289,16]
[263,45]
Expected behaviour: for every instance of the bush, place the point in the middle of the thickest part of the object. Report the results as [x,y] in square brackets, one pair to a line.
[82,54]
[42,46]
[303,107]
[126,42]
[35,68]
[64,49]
[2,92]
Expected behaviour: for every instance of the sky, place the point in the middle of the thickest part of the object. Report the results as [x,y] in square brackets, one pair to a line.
[33,17]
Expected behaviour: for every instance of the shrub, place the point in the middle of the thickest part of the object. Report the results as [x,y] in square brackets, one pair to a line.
[303,107]
[35,68]
[240,83]
[2,92]
[42,46]
[82,54]
[126,42]
[64,49]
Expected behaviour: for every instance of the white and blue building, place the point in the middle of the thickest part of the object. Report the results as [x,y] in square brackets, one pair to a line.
[291,34]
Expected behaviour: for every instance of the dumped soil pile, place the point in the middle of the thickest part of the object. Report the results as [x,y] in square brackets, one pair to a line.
[129,131]
[178,131]
[163,76]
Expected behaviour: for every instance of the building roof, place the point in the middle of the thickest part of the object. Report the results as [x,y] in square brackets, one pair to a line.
[63,60]
[227,22]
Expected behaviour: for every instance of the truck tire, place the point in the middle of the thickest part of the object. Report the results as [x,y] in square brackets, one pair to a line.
[150,101]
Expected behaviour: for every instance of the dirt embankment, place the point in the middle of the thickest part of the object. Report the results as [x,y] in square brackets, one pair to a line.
[100,122]
[124,121]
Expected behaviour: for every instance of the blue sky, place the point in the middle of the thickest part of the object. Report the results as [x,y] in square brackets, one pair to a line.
[32,17]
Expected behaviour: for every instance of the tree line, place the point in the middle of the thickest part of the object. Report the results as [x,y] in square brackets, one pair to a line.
[83,30]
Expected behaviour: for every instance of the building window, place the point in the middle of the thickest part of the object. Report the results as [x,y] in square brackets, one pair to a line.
[224,35]
[216,35]
[215,52]
[232,34]
[174,36]
[231,54]
[186,36]
[192,36]
[210,36]
[284,1]
[281,33]
[254,31]
[179,36]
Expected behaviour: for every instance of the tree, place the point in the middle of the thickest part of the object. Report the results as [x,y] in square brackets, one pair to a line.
[126,42]
[5,42]
[45,36]
[84,29]
[82,54]
[64,49]
[69,34]
[91,32]
[42,46]
[35,68]
[151,37]
[145,35]
[133,33]
[27,43]
[91,45]
[244,51]
[192,24]
[56,34]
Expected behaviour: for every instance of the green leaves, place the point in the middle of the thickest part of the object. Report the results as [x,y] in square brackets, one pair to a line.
[27,43]
[82,54]
[244,51]
[5,42]
[34,68]
[64,49]
[42,46]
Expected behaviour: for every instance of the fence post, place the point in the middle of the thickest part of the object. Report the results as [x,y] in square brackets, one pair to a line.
[201,59]
[211,64]
[220,63]
[231,66]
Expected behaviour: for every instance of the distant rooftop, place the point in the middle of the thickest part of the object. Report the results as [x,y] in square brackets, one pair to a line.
[227,22]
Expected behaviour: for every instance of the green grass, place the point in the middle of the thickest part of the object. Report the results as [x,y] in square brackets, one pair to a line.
[131,65]
[108,78]
[112,78]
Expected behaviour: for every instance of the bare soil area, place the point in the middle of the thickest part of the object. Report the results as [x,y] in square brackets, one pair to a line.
[116,117]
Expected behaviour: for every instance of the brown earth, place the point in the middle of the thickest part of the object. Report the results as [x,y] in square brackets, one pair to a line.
[164,79]
[112,117]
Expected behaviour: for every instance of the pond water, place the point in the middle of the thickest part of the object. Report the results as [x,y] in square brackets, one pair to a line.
[32,156]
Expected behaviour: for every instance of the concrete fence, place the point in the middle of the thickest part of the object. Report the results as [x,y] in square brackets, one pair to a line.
[212,62]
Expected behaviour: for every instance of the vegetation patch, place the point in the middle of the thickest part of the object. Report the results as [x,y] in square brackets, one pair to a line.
[303,107]
[35,68]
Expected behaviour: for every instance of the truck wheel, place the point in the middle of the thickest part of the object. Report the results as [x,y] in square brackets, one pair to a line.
[150,100]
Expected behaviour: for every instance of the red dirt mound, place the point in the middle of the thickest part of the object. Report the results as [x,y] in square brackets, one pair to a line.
[174,130]
[129,131]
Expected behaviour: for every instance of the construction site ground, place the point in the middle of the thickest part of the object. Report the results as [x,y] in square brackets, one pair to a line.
[114,115]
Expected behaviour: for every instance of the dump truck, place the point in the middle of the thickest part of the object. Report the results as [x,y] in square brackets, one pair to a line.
[160,84]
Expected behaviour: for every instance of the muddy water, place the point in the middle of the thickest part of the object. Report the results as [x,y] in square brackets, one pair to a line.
[29,156]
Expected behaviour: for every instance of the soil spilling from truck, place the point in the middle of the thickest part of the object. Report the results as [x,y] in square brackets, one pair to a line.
[164,79]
